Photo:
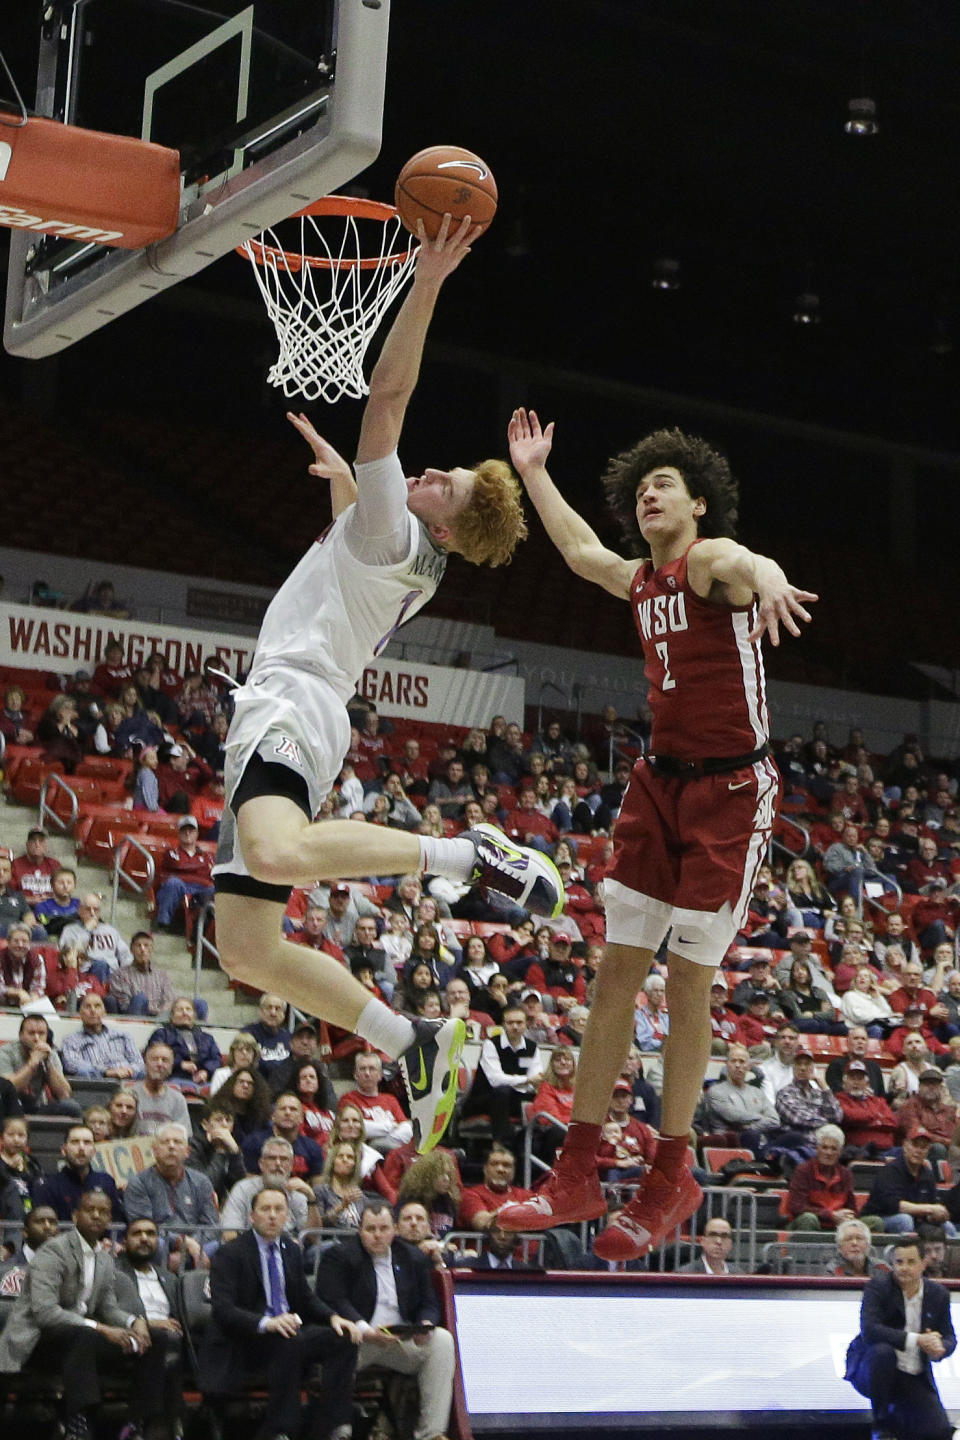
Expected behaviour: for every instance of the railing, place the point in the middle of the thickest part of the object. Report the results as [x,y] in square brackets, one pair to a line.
[532,1162]
[49,816]
[202,945]
[777,844]
[558,690]
[736,1205]
[614,753]
[131,882]
[875,902]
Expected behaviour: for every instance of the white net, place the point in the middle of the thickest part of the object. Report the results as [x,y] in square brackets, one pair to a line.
[326,304]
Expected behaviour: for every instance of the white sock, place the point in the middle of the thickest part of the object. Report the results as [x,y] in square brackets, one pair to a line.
[453,858]
[385,1029]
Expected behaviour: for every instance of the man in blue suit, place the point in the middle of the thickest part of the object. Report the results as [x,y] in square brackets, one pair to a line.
[264,1317]
[382,1283]
[905,1326]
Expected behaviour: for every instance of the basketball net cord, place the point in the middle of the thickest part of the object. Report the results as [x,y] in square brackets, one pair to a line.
[323,338]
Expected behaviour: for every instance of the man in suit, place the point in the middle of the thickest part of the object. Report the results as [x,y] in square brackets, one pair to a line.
[265,1318]
[716,1242]
[905,1326]
[69,1319]
[380,1281]
[150,1290]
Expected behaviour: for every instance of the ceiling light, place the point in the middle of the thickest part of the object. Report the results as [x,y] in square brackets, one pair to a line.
[862,117]
[666,274]
[806,309]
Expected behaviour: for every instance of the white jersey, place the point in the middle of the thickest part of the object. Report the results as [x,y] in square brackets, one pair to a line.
[336,611]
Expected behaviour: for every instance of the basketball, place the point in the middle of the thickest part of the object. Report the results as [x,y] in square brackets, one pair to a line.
[444,179]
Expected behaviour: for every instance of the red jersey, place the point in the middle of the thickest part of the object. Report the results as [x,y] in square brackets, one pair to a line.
[707,689]
[34,878]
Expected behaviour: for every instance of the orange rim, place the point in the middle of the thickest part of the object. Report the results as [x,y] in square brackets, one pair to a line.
[331,205]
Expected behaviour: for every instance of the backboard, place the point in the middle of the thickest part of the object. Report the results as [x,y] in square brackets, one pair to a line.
[271,104]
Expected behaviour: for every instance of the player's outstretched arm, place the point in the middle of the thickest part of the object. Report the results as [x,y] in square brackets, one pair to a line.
[725,562]
[328,464]
[394,376]
[530,446]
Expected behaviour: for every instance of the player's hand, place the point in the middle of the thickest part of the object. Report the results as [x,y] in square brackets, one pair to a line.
[327,462]
[529,444]
[780,602]
[439,257]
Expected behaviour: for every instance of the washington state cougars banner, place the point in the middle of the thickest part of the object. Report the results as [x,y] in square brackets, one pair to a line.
[61,642]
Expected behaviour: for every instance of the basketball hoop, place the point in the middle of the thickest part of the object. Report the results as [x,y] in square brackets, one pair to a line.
[324,337]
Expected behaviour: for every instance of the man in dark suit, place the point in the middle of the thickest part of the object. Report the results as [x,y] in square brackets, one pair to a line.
[264,1317]
[69,1314]
[905,1326]
[381,1282]
[153,1291]
[716,1242]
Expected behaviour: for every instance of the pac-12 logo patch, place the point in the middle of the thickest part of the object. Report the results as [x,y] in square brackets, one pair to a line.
[671,583]
[290,751]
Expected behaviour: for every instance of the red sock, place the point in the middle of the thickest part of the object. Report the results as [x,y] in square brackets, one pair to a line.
[580,1144]
[671,1157]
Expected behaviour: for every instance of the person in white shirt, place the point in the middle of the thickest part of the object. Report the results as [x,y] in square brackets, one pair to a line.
[375,567]
[778,1070]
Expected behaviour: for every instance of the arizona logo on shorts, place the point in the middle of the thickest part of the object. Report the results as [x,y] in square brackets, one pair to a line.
[290,750]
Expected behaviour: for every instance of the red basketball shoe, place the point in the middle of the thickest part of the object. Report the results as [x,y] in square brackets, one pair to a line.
[650,1217]
[563,1199]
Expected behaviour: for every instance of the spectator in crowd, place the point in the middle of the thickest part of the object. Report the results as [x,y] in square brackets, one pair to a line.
[14,906]
[172,1194]
[759,977]
[349,1125]
[339,1196]
[378,1280]
[916,1022]
[343,911]
[247,1095]
[844,863]
[151,1291]
[723,1020]
[951,1074]
[541,1026]
[627,1145]
[60,908]
[507,1074]
[868,1122]
[716,1244]
[23,974]
[913,992]
[19,1170]
[646,1101]
[112,672]
[777,1072]
[67,983]
[32,1066]
[286,1120]
[215,1152]
[365,950]
[933,1248]
[76,1176]
[857,1043]
[808,1004]
[413,1225]
[101,599]
[905,1326]
[451,792]
[271,1034]
[865,1003]
[146,786]
[182,773]
[264,1317]
[39,1225]
[62,739]
[140,988]
[760,1025]
[312,932]
[122,1116]
[305,1045]
[480,1203]
[68,1317]
[14,720]
[386,1125]
[98,1052]
[184,873]
[276,1168]
[806,894]
[904,1192]
[733,1104]
[312,1086]
[196,1055]
[434,1181]
[139,728]
[853,1258]
[158,1102]
[244,1053]
[557,974]
[101,946]
[805,1104]
[821,1189]
[32,872]
[904,1078]
[895,933]
[930,1109]
[554,1098]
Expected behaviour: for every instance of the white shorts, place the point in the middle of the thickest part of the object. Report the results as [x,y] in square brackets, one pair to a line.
[288,718]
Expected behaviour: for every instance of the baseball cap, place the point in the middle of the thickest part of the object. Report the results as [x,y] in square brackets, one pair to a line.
[718,982]
[304,1028]
[531,995]
[340,889]
[802,1055]
[756,995]
[174,751]
[560,937]
[931,1074]
[857,1066]
[187,822]
[624,1085]
[82,675]
[801,937]
[919,1132]
[759,960]
[914,1010]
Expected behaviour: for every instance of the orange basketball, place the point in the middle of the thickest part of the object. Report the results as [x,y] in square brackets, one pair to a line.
[444,179]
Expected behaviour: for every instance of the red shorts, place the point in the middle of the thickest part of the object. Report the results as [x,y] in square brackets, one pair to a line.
[687,855]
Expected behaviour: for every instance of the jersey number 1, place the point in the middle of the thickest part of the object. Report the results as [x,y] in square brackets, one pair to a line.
[668,681]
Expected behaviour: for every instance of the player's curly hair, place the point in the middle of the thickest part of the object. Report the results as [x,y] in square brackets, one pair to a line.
[706,474]
[491,527]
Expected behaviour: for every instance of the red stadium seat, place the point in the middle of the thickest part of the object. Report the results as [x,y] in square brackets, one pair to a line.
[28,782]
[109,767]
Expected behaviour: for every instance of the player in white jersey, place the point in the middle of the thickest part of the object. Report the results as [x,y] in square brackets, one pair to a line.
[376,565]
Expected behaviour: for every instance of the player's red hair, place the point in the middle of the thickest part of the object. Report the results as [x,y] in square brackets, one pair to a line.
[491,527]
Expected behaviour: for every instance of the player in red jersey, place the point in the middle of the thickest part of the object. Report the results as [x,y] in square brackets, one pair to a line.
[698,812]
